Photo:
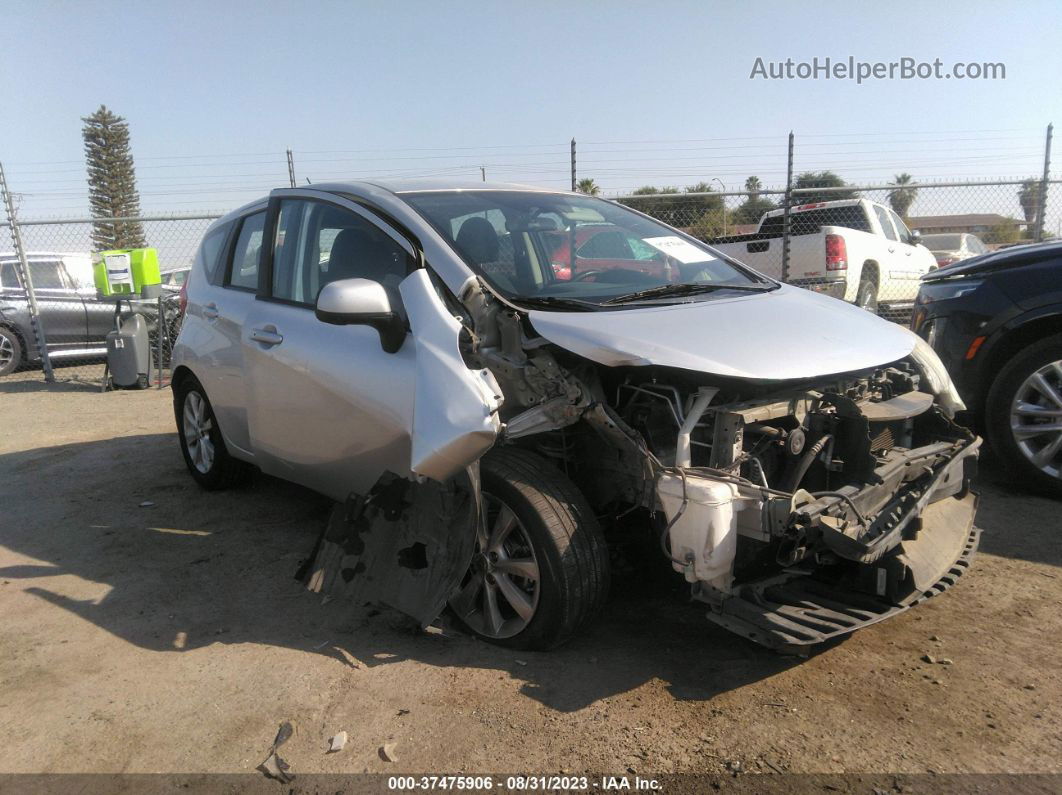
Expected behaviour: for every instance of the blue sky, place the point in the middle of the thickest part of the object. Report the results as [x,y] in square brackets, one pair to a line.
[655,93]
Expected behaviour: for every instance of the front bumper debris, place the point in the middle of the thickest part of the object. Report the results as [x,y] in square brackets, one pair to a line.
[794,611]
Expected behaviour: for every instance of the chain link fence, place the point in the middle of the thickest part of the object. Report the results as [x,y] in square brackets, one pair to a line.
[868,245]
[73,320]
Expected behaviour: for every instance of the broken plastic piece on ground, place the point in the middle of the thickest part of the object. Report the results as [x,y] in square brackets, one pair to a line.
[277,768]
[274,766]
[147,504]
[283,734]
[387,752]
[337,742]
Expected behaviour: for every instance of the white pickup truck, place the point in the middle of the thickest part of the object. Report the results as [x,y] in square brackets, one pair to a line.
[853,249]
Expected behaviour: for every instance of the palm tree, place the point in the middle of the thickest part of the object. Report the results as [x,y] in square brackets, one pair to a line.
[588,186]
[1029,198]
[903,194]
[753,186]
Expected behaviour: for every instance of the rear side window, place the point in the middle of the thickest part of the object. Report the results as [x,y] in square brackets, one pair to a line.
[8,278]
[809,222]
[209,255]
[886,224]
[248,253]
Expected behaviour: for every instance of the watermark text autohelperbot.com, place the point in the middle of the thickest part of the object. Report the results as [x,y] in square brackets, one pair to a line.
[849,68]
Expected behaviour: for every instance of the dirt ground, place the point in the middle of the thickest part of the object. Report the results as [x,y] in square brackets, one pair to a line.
[173,637]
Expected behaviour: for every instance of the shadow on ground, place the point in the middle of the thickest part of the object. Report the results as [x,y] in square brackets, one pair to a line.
[197,568]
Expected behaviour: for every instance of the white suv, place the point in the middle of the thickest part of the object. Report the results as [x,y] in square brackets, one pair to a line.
[487,398]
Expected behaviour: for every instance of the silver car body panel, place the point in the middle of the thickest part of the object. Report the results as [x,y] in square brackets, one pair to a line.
[788,333]
[455,414]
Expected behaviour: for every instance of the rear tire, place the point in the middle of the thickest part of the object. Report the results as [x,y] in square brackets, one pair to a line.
[1031,380]
[10,351]
[555,541]
[202,444]
[867,296]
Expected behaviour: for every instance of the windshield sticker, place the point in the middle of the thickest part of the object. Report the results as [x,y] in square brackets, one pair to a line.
[677,248]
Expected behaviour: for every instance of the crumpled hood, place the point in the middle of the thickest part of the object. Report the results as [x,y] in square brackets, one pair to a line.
[788,333]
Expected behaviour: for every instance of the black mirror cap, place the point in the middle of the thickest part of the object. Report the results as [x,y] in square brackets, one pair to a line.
[391,327]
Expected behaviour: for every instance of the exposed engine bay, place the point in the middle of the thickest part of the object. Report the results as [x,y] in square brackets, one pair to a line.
[755,489]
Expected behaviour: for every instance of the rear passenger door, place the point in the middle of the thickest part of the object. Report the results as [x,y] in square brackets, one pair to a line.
[327,406]
[217,313]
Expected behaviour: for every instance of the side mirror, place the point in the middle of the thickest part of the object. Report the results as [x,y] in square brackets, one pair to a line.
[353,302]
[916,238]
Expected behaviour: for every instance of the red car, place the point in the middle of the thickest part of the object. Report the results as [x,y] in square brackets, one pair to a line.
[602,247]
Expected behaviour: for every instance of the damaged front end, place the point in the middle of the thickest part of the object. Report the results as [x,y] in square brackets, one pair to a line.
[804,515]
[798,510]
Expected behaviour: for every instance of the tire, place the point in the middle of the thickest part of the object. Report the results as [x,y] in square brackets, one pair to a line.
[554,530]
[201,441]
[867,296]
[1033,457]
[10,351]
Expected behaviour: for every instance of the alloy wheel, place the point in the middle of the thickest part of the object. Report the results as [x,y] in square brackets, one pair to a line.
[7,352]
[1036,419]
[500,592]
[196,425]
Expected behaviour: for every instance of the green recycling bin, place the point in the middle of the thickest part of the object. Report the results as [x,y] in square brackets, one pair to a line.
[123,272]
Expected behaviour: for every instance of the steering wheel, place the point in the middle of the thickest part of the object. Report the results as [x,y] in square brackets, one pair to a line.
[585,274]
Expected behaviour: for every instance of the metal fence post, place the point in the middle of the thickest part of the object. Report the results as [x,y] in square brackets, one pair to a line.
[788,206]
[573,164]
[1041,205]
[27,279]
[291,169]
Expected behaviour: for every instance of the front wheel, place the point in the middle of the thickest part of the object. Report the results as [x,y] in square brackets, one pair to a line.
[1023,417]
[540,571]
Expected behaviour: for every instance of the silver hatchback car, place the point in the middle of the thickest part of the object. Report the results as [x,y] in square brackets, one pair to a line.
[494,383]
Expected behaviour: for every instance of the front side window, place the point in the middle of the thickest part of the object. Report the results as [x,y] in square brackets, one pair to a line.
[248,253]
[46,275]
[317,243]
[537,245]
[901,227]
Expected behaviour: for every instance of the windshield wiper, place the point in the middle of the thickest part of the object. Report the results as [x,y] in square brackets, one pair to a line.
[553,302]
[668,290]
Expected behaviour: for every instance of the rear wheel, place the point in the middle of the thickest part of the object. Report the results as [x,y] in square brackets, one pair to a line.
[540,572]
[202,445]
[10,351]
[867,295]
[1023,417]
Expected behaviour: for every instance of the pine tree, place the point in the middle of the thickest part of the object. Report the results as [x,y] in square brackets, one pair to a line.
[111,180]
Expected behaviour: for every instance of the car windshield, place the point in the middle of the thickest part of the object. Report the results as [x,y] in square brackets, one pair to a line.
[942,242]
[557,248]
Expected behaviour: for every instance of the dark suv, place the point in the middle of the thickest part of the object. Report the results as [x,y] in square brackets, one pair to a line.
[75,323]
[996,322]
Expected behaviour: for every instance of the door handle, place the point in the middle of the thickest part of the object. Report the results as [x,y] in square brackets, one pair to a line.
[210,311]
[267,336]
[891,250]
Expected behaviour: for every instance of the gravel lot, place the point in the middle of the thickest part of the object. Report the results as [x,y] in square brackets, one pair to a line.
[173,637]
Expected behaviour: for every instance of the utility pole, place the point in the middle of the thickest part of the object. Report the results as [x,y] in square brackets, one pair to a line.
[483,173]
[1041,205]
[573,164]
[788,205]
[27,280]
[291,169]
